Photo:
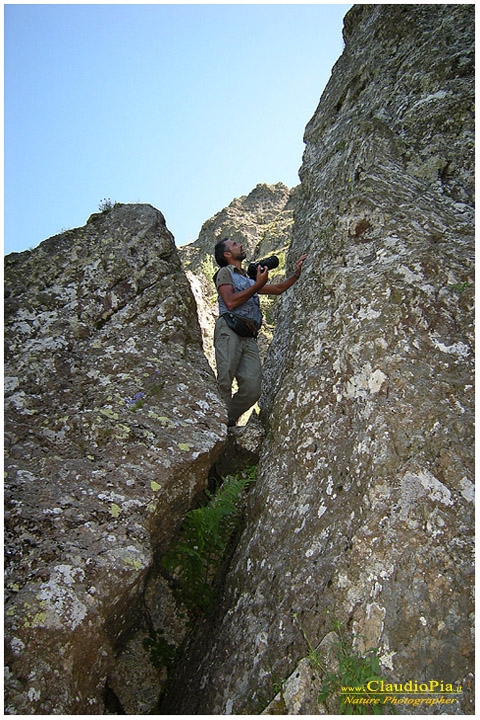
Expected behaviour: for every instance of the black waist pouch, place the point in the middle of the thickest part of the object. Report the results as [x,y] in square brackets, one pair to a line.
[240,326]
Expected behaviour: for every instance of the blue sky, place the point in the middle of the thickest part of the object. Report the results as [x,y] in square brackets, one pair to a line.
[184,107]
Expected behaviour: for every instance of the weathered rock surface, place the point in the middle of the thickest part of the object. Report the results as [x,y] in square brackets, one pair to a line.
[262,221]
[112,424]
[242,449]
[364,498]
[298,694]
[256,220]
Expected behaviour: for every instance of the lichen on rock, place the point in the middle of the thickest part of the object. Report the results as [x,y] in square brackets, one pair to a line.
[112,424]
[363,504]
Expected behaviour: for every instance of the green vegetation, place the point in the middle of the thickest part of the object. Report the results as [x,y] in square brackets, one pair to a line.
[263,699]
[162,653]
[277,230]
[208,268]
[459,287]
[268,306]
[275,274]
[269,303]
[106,205]
[194,560]
[353,673]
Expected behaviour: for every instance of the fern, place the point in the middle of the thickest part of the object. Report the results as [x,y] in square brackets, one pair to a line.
[203,538]
[354,671]
[162,653]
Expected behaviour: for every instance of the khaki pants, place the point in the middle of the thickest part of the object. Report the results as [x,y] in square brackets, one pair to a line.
[237,357]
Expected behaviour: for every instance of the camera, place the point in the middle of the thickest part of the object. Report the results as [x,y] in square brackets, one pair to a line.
[269,262]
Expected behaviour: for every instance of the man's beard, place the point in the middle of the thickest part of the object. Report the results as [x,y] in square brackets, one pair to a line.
[241,255]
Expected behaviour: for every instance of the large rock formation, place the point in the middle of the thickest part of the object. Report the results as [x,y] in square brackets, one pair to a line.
[364,499]
[362,509]
[257,220]
[112,424]
[262,221]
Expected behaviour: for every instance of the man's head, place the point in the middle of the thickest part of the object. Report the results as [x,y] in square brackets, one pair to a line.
[228,251]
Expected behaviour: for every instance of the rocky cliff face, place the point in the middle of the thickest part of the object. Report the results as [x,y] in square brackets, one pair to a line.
[263,222]
[112,424]
[364,499]
[256,220]
[362,508]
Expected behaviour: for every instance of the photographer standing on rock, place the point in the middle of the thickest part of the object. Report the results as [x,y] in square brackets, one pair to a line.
[238,324]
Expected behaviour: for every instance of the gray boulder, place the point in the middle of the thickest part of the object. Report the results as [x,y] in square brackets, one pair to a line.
[112,423]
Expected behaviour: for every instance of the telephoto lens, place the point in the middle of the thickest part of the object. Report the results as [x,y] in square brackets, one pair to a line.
[270,262]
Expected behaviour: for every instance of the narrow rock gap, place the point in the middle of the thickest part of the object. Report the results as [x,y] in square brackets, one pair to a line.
[150,657]
[113,706]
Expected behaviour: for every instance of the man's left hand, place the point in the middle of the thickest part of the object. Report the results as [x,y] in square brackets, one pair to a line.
[299,264]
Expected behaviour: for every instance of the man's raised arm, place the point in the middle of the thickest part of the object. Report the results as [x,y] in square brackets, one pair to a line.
[279,288]
[234,299]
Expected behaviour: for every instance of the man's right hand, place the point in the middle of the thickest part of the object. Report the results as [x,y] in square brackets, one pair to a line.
[234,299]
[262,276]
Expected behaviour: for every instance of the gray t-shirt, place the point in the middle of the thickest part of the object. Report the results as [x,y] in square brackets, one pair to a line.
[224,276]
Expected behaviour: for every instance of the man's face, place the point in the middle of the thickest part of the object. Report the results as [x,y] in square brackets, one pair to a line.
[235,249]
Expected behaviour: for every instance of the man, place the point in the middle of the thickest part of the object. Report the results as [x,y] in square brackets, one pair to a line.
[239,312]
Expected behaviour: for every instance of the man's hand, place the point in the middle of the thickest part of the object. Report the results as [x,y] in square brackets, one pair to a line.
[279,288]
[299,264]
[262,276]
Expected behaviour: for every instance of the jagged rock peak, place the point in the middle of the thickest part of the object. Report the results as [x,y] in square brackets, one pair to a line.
[246,219]
[271,195]
[264,202]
